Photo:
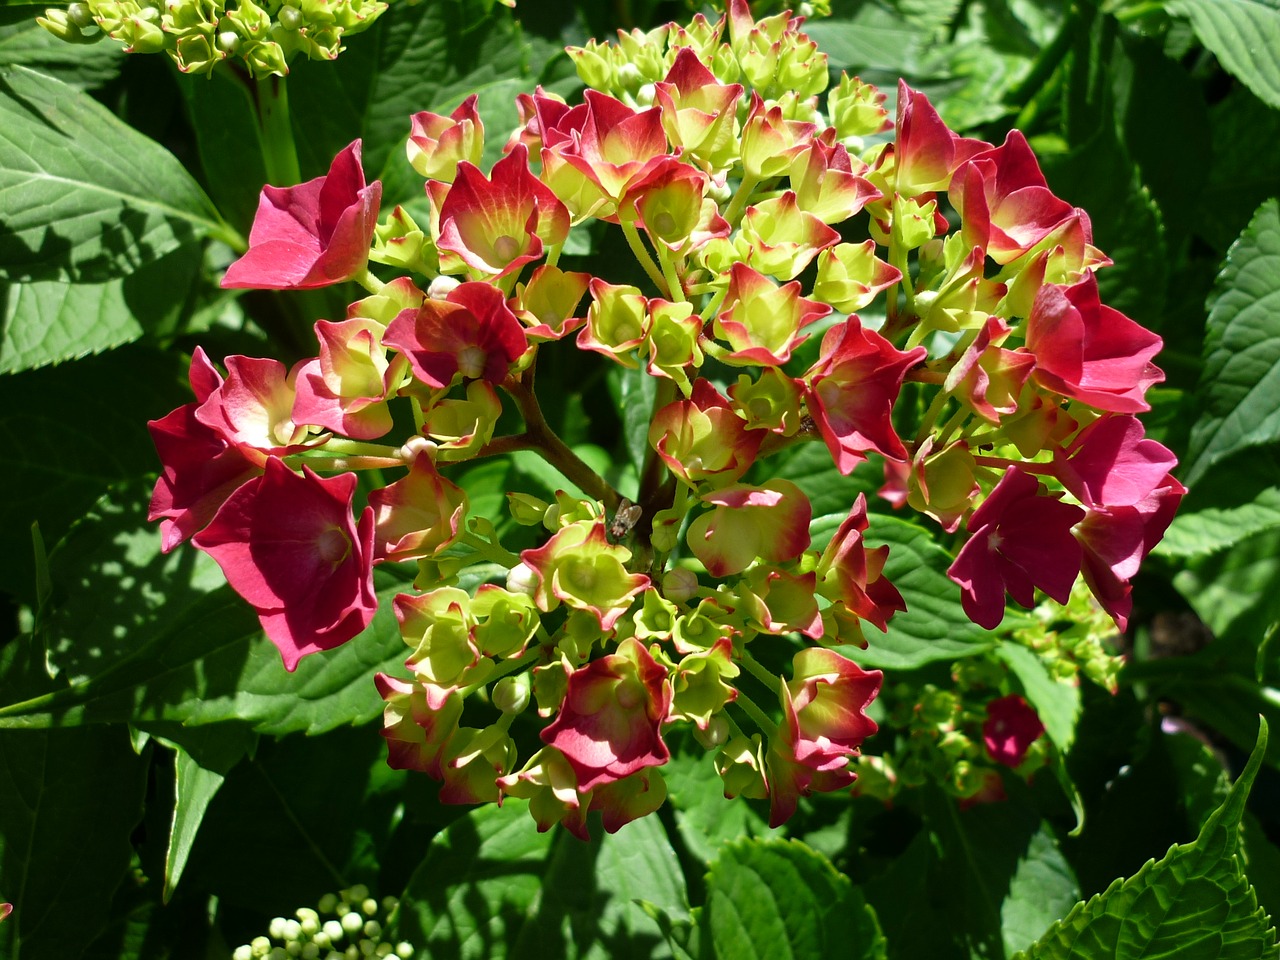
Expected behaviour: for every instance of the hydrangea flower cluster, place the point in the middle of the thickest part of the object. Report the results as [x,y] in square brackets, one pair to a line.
[759,216]
[200,34]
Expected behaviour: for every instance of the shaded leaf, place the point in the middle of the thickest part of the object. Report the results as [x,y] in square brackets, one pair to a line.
[1245,37]
[210,663]
[874,38]
[1212,529]
[86,197]
[1238,180]
[705,819]
[202,761]
[1056,702]
[49,321]
[303,817]
[68,801]
[31,45]
[1235,591]
[1241,349]
[975,860]
[1043,888]
[61,454]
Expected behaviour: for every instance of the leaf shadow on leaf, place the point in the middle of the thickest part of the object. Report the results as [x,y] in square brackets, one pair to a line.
[492,887]
[124,250]
[119,602]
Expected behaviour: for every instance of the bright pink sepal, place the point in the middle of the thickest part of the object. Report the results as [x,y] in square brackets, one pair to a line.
[312,235]
[288,544]
[851,390]
[199,468]
[1019,540]
[607,727]
[1090,352]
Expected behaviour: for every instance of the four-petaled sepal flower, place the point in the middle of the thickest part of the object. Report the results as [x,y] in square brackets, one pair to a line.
[312,235]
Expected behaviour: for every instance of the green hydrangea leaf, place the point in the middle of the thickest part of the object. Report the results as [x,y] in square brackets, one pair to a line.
[491,886]
[87,198]
[1241,349]
[1245,37]
[779,899]
[69,800]
[1195,902]
[50,321]
[134,635]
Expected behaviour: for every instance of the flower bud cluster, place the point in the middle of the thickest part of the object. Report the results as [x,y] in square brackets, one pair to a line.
[698,599]
[200,34]
[349,925]
[958,738]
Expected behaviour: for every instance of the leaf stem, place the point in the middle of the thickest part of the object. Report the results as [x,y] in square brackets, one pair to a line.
[554,450]
[642,254]
[275,131]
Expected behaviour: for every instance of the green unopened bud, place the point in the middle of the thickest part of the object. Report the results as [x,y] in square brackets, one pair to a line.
[527,510]
[196,53]
[290,18]
[141,33]
[333,930]
[228,42]
[399,242]
[63,27]
[522,579]
[717,732]
[264,59]
[593,63]
[512,694]
[680,585]
[80,14]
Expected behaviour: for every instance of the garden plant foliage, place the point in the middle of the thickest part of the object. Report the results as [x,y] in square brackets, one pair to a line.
[861,309]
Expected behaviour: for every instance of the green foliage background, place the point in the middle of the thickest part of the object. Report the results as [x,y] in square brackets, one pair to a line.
[166,788]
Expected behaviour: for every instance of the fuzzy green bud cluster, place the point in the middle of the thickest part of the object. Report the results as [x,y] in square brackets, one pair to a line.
[349,925]
[200,34]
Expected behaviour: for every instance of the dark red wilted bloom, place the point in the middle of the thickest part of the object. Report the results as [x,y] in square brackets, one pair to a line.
[607,727]
[200,469]
[311,235]
[1089,351]
[1019,540]
[289,545]
[1010,729]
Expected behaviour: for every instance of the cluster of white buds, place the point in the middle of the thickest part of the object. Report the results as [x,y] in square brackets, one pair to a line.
[349,925]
